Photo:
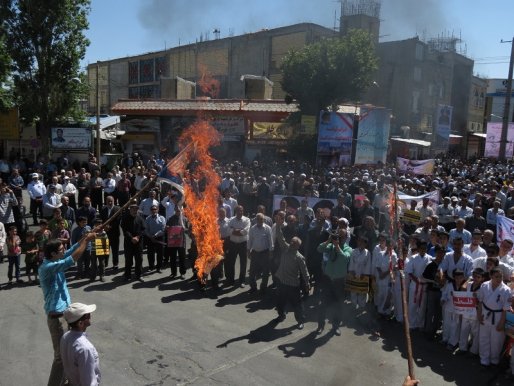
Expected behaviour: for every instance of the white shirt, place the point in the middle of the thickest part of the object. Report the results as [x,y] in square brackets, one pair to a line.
[69,188]
[36,189]
[109,185]
[360,261]
[224,228]
[465,264]
[80,359]
[147,204]
[243,224]
[169,205]
[417,264]
[259,238]
[478,252]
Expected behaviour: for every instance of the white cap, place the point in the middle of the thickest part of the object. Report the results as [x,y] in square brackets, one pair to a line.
[77,310]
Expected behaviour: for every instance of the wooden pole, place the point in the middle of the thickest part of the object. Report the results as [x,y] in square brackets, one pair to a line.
[408,342]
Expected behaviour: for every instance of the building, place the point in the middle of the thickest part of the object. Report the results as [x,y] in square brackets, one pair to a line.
[476,118]
[226,60]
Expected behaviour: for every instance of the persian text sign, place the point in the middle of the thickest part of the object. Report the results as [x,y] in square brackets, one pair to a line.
[373,136]
[464,303]
[232,128]
[493,139]
[71,138]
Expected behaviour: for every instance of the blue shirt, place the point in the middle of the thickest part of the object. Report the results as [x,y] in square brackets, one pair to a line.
[53,281]
[155,227]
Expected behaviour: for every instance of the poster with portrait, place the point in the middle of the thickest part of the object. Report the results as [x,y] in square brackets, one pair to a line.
[373,136]
[335,139]
[71,137]
[493,139]
[443,128]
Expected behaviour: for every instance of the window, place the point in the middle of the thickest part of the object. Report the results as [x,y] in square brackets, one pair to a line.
[419,51]
[417,74]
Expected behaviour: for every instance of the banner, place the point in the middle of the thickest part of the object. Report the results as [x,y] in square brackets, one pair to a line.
[353,284]
[272,130]
[335,138]
[293,203]
[373,136]
[509,324]
[443,128]
[175,236]
[493,138]
[102,246]
[232,128]
[419,167]
[405,199]
[71,137]
[464,303]
[504,229]
[9,124]
[308,125]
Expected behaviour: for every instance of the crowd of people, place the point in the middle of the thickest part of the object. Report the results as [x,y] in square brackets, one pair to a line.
[329,232]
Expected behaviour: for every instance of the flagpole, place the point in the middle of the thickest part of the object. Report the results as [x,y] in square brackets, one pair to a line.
[406,328]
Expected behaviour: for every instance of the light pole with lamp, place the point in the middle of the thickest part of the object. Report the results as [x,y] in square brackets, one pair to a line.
[506,111]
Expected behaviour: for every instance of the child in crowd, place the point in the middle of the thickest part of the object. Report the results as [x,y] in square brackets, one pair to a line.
[360,259]
[451,321]
[469,325]
[99,252]
[42,236]
[30,248]
[62,233]
[84,261]
[13,242]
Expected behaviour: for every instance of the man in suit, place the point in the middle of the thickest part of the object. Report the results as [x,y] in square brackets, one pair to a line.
[87,211]
[133,227]
[113,230]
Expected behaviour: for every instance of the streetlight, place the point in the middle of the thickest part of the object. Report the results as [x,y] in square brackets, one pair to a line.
[98,140]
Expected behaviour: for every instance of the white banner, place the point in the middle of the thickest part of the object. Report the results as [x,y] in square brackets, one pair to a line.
[419,167]
[293,203]
[464,303]
[433,197]
[504,229]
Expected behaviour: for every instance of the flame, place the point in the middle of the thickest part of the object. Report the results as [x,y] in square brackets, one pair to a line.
[208,85]
[201,206]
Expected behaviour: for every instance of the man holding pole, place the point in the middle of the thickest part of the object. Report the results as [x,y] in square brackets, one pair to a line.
[55,291]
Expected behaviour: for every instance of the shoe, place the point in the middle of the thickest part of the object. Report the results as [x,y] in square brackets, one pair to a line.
[115,268]
[158,270]
[279,318]
[252,290]
[140,279]
[242,285]
[173,275]
[127,279]
[320,328]
[337,331]
[19,281]
[182,277]
[299,326]
[461,352]
[102,279]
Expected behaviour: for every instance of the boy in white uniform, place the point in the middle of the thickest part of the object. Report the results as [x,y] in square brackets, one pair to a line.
[451,321]
[470,326]
[494,301]
[360,259]
[414,270]
[384,262]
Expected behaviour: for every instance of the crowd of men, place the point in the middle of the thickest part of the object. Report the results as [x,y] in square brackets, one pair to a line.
[343,242]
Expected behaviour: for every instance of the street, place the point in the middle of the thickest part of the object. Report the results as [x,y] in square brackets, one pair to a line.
[166,332]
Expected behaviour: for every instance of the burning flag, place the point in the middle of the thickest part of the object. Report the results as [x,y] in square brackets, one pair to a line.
[208,85]
[174,170]
[201,195]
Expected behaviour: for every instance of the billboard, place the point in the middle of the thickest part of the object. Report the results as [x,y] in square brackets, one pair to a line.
[232,128]
[272,130]
[373,136]
[9,125]
[71,137]
[443,128]
[335,139]
[493,138]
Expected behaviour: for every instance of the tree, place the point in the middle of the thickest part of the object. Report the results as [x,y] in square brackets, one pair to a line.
[330,72]
[5,66]
[46,42]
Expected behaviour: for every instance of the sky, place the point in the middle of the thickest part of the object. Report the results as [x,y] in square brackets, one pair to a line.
[119,28]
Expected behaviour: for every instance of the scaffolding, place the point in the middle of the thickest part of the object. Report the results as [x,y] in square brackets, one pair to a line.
[360,7]
[447,42]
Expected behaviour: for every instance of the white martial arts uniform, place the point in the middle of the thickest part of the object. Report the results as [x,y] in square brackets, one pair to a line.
[469,326]
[465,264]
[383,298]
[417,299]
[494,302]
[451,320]
[360,261]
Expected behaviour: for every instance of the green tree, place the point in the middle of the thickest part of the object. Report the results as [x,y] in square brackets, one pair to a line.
[330,72]
[46,41]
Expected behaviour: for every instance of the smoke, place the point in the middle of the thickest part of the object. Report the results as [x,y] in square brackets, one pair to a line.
[401,19]
[187,19]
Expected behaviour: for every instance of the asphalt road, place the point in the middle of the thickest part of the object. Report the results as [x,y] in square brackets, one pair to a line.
[166,332]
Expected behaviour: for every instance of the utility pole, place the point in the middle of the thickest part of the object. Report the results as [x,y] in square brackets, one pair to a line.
[98,139]
[506,111]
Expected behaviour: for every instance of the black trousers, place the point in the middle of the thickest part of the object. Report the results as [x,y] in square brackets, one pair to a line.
[434,312]
[292,295]
[236,249]
[133,254]
[331,299]
[171,254]
[217,272]
[97,266]
[36,206]
[114,243]
[259,265]
[154,248]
